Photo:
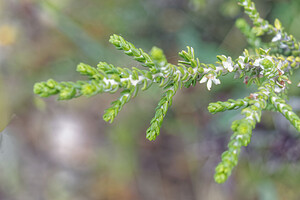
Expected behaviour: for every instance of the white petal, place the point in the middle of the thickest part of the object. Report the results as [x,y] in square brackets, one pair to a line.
[204,79]
[216,81]
[277,89]
[229,60]
[241,64]
[209,83]
[277,37]
[227,65]
[257,62]
[245,3]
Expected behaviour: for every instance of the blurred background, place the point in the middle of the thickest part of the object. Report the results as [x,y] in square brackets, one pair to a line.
[63,150]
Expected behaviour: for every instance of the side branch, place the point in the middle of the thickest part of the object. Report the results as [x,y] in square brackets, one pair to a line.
[231,104]
[161,111]
[285,110]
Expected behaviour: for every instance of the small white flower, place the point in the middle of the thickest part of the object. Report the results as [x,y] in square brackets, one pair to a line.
[228,64]
[278,89]
[245,3]
[257,62]
[241,62]
[277,37]
[210,78]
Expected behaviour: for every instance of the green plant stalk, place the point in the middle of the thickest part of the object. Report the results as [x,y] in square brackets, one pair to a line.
[269,68]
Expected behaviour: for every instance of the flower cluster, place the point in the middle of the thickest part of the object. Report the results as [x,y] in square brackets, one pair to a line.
[270,68]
